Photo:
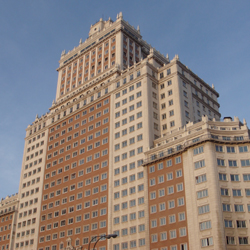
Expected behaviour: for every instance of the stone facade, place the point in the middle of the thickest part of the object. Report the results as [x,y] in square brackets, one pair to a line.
[122,109]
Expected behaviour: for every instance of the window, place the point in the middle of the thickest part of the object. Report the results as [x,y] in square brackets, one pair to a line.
[142,242]
[178,160]
[226,207]
[224,191]
[234,177]
[237,192]
[222,177]
[172,234]
[205,225]
[228,223]
[207,242]
[220,162]
[199,164]
[243,240]
[245,163]
[203,209]
[241,223]
[243,149]
[171,204]
[230,150]
[202,194]
[247,192]
[198,150]
[218,148]
[238,208]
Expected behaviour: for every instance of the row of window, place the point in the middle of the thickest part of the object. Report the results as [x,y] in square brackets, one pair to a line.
[233,163]
[6,218]
[170,190]
[233,177]
[26,223]
[231,240]
[238,224]
[169,177]
[237,207]
[70,221]
[172,235]
[78,218]
[29,212]
[87,204]
[31,202]
[162,206]
[5,228]
[231,149]
[235,192]
[25,233]
[169,163]
[171,219]
[31,192]
[27,184]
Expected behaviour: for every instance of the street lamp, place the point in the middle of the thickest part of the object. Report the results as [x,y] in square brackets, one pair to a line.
[108,236]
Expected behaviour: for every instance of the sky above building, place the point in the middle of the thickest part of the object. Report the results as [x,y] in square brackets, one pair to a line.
[211,38]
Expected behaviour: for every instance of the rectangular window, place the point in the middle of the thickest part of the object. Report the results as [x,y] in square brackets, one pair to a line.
[234,177]
[226,207]
[198,150]
[245,163]
[207,242]
[203,209]
[243,149]
[238,208]
[202,194]
[224,191]
[199,164]
[218,148]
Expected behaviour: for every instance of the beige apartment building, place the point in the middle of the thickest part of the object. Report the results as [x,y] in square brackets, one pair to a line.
[88,163]
[200,173]
[8,217]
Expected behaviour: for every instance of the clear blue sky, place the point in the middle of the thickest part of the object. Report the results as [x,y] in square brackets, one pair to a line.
[211,37]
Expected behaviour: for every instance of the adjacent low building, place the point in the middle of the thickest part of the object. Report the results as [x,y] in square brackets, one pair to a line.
[8,217]
[199,186]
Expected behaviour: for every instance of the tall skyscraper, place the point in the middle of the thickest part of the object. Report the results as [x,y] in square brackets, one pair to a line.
[123,150]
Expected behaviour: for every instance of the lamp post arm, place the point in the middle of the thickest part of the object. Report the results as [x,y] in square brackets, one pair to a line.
[97,241]
[91,241]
